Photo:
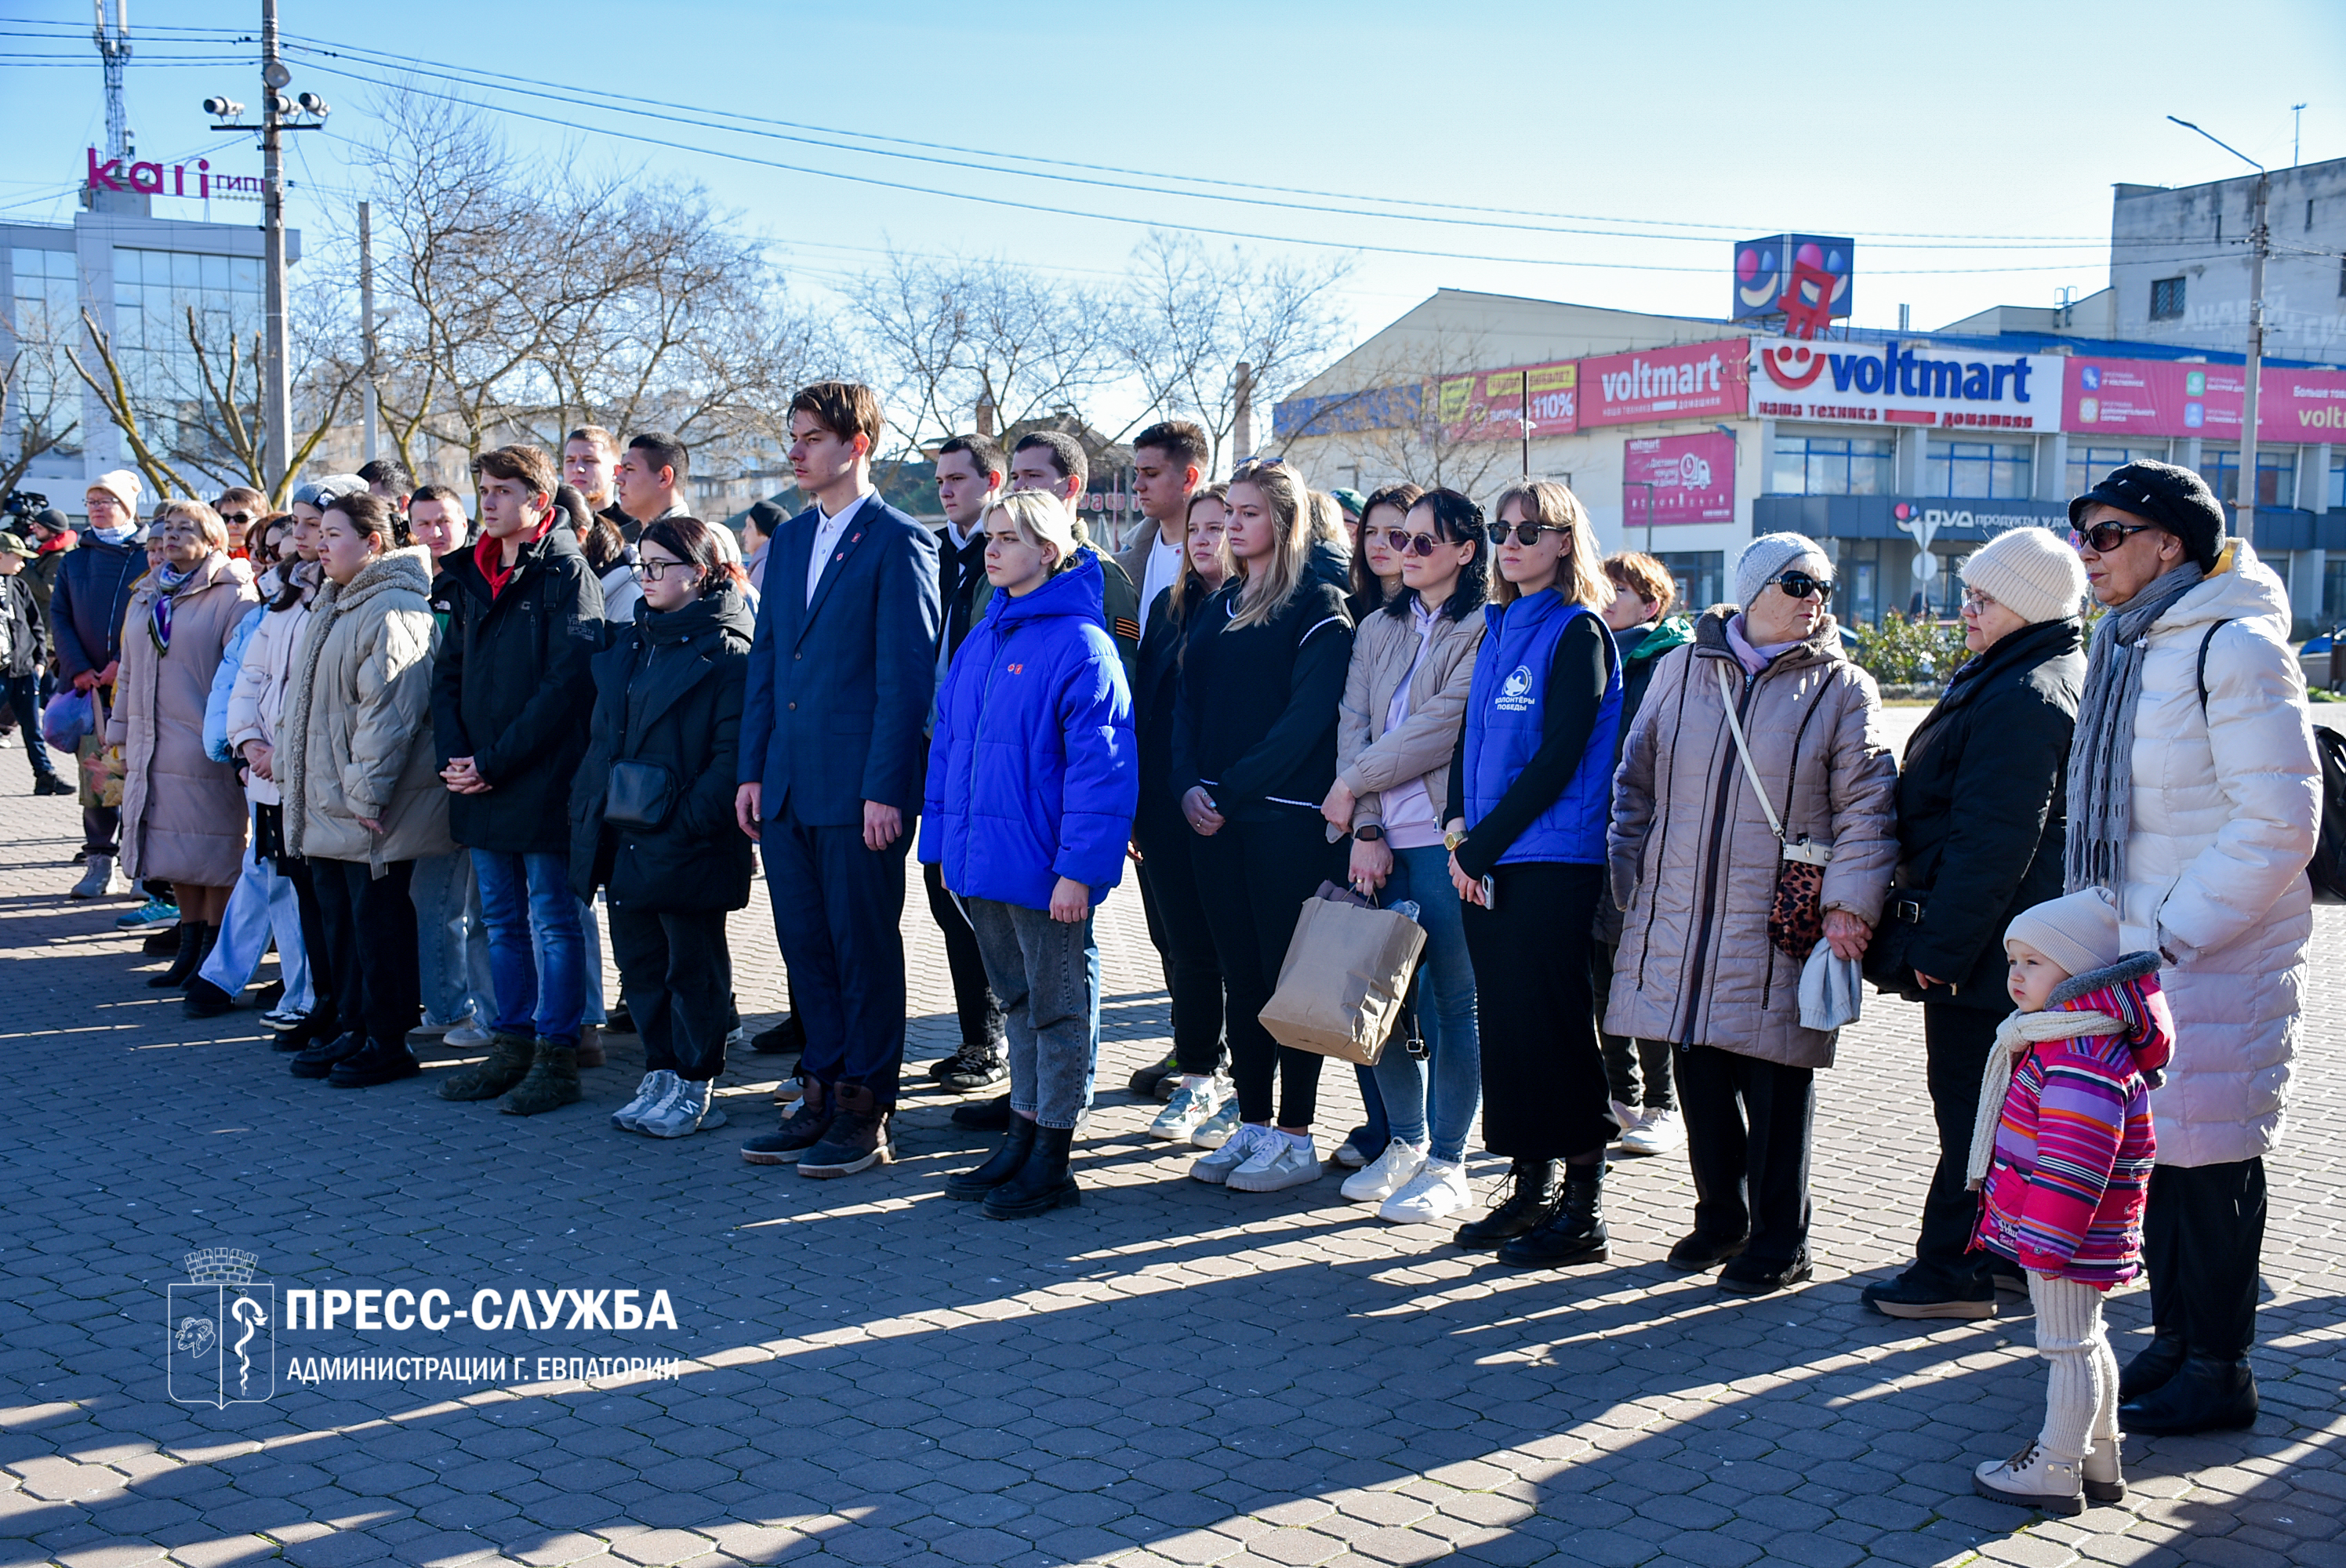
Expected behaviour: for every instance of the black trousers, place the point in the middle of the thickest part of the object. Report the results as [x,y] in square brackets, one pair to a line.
[677,973]
[973,1001]
[1748,1125]
[1956,1041]
[1544,1090]
[1185,942]
[324,1017]
[1252,879]
[2203,1232]
[1636,1072]
[371,939]
[836,907]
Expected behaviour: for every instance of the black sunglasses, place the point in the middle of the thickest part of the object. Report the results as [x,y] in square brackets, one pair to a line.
[1403,543]
[1801,586]
[1526,534]
[2106,536]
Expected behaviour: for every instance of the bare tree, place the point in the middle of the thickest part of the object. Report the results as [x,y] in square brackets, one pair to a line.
[29,408]
[1416,413]
[1192,314]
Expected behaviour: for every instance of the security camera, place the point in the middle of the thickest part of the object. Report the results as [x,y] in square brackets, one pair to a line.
[315,104]
[223,109]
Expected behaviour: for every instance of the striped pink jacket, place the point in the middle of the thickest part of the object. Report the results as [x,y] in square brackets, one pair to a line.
[2073,1148]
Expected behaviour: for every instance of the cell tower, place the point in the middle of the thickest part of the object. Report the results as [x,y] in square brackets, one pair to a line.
[114,50]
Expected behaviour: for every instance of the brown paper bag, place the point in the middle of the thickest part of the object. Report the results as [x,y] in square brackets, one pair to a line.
[1341,989]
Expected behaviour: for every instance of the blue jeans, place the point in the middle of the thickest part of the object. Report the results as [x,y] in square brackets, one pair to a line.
[537,955]
[453,939]
[1445,1014]
[1042,970]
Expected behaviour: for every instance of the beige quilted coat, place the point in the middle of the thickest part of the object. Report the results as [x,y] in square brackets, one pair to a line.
[183,814]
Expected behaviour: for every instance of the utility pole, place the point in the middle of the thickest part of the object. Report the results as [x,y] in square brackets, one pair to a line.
[1528,425]
[2260,245]
[2295,134]
[1242,416]
[366,317]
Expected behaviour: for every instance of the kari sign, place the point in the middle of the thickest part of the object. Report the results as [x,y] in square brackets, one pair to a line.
[195,181]
[1905,384]
[1488,405]
[2164,398]
[1691,380]
[1677,479]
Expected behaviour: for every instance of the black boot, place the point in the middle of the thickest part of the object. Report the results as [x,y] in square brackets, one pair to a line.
[205,1000]
[986,1116]
[1008,1155]
[1536,1187]
[2204,1395]
[2159,1361]
[319,1025]
[1042,1184]
[1575,1233]
[318,1058]
[190,958]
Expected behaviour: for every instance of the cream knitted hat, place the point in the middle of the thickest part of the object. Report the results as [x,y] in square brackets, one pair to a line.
[124,485]
[2035,576]
[2079,933]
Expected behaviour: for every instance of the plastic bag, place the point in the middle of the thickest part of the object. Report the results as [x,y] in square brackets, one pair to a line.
[70,715]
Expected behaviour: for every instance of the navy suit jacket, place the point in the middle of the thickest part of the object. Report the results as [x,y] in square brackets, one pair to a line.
[839,688]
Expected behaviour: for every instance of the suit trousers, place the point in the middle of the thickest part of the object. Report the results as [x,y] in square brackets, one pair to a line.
[836,907]
[2203,1232]
[677,974]
[974,1006]
[1544,1090]
[370,925]
[1748,1124]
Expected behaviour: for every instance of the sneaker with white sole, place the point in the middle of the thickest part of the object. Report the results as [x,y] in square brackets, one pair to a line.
[1625,1116]
[2032,1478]
[468,1036]
[1192,1105]
[1353,1153]
[1386,1175]
[1218,1128]
[1234,1151]
[649,1093]
[689,1108]
[1437,1191]
[283,1017]
[1278,1163]
[1661,1132]
[155,912]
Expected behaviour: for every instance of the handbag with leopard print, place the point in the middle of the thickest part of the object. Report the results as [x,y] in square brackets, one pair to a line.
[1796,915]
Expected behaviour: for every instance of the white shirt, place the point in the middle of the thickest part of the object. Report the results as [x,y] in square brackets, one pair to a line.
[827,532]
[1162,571]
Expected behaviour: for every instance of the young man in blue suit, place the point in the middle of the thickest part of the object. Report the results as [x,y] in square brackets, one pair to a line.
[841,678]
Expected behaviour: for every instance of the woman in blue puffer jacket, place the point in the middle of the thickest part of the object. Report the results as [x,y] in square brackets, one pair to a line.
[1033,780]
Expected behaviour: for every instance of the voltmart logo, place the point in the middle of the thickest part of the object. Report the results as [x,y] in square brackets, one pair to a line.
[1899,372]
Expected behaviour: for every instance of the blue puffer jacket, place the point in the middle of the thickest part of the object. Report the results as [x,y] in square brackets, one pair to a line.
[224,677]
[1034,774]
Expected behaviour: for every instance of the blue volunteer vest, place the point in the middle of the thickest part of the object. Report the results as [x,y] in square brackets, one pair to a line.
[1506,712]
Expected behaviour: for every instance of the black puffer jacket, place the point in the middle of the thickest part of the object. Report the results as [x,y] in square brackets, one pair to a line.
[1157,823]
[1983,809]
[512,691]
[668,691]
[26,635]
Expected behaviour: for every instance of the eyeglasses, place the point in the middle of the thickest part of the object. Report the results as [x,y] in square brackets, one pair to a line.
[1801,586]
[1976,603]
[2106,538]
[1403,543]
[653,571]
[1526,534]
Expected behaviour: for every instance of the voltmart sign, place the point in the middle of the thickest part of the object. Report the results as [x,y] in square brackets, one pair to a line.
[1906,383]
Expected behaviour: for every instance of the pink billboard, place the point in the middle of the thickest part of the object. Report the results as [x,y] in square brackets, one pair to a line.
[1677,479]
[2172,397]
[1690,381]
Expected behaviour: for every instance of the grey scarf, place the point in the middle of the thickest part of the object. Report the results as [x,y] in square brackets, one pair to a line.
[2101,752]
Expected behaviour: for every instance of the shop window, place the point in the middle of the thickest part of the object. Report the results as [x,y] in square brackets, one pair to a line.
[2166,298]
[1698,574]
[1977,469]
[2275,474]
[2089,464]
[1834,465]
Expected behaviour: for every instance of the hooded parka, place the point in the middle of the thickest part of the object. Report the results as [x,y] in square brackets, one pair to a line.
[1694,865]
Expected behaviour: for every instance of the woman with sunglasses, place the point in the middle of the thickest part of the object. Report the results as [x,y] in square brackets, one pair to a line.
[1529,789]
[1254,751]
[1698,866]
[1404,701]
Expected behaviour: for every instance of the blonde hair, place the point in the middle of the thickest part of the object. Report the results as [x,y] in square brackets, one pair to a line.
[1580,576]
[1328,518]
[209,522]
[1041,518]
[1266,592]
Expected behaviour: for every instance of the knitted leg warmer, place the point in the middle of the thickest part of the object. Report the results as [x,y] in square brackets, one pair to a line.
[2080,1401]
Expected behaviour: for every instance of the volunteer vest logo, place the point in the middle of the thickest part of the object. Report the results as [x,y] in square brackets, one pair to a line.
[1516,691]
[222,1333]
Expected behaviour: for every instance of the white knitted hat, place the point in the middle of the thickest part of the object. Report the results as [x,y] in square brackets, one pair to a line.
[2034,574]
[125,486]
[1770,554]
[2079,933]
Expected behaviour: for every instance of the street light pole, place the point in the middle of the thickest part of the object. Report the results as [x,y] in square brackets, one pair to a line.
[276,396]
[2260,243]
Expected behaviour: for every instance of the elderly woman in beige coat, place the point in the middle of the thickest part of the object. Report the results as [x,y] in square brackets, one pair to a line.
[1696,867]
[182,814]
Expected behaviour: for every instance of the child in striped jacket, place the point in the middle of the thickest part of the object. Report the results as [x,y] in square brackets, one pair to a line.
[2065,1146]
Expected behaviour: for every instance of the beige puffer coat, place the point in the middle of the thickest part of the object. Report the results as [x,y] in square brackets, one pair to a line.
[256,703]
[2224,808]
[358,721]
[1371,758]
[183,815]
[1694,864]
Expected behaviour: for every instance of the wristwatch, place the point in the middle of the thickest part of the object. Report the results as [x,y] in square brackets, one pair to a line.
[1451,841]
[1368,833]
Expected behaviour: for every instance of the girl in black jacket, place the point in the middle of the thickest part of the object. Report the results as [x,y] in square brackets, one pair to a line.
[1254,752]
[652,817]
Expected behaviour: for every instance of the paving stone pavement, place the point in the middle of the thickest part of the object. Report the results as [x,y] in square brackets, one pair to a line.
[1169,1374]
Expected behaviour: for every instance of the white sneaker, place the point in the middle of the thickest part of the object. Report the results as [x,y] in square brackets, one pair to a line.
[1218,1128]
[1234,1151]
[466,1036]
[431,1028]
[655,1088]
[100,879]
[1351,1156]
[1661,1132]
[1625,1118]
[1436,1192]
[1386,1175]
[1278,1162]
[689,1108]
[283,1017]
[1192,1105]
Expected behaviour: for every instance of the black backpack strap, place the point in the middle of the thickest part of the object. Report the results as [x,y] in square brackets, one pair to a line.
[2201,674]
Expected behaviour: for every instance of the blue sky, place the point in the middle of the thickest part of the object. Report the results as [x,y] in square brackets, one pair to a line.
[1921,128]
